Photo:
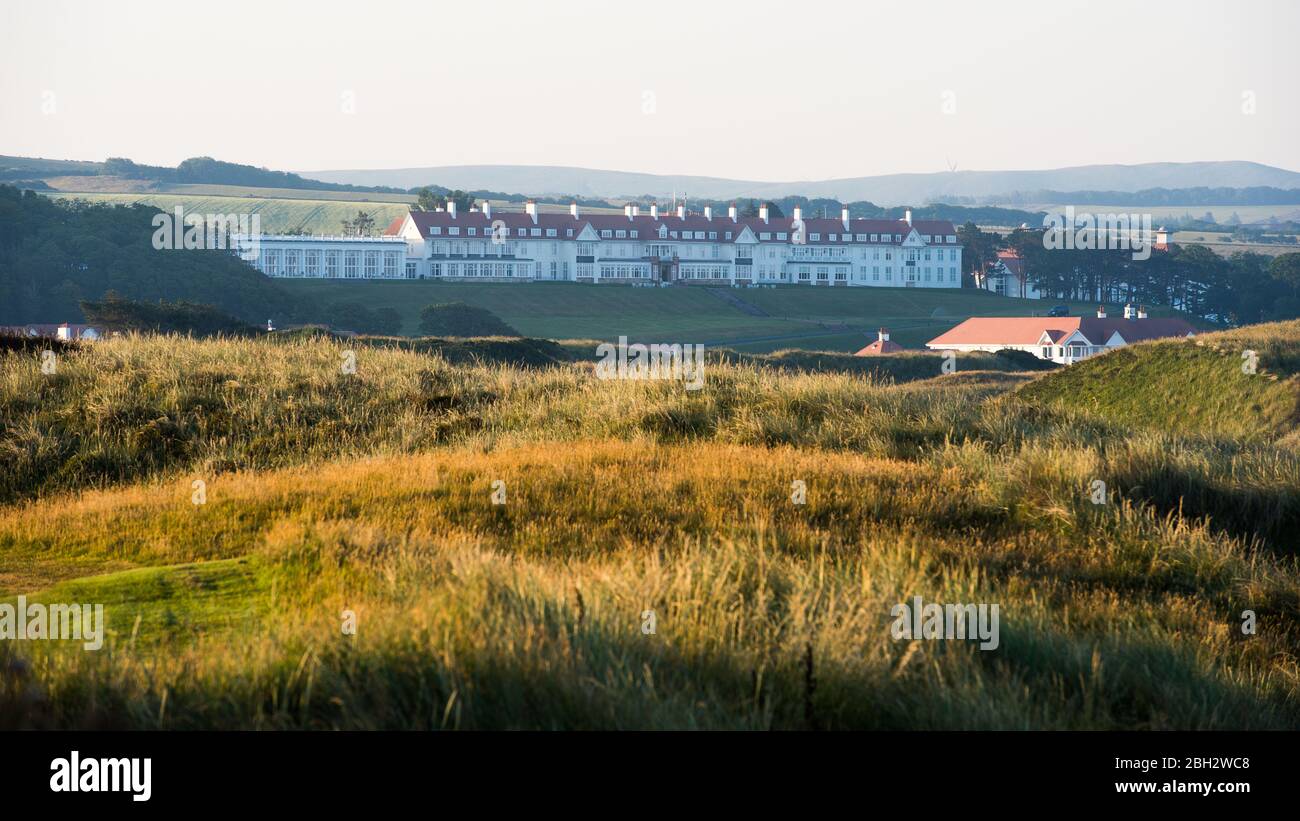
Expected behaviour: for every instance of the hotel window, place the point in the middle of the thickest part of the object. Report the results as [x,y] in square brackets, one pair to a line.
[434,230]
[713,235]
[952,274]
[875,238]
[332,264]
[271,262]
[606,234]
[875,274]
[471,269]
[453,231]
[410,270]
[840,274]
[536,232]
[780,235]
[390,263]
[350,263]
[291,263]
[435,269]
[312,268]
[633,234]
[822,273]
[453,270]
[620,234]
[860,237]
[372,263]
[804,274]
[815,237]
[473,232]
[550,232]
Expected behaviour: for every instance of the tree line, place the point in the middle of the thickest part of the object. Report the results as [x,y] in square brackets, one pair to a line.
[1239,289]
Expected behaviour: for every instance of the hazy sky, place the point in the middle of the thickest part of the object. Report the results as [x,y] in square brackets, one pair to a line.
[752,90]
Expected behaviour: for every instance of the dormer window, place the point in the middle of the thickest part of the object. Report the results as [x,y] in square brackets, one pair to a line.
[434,230]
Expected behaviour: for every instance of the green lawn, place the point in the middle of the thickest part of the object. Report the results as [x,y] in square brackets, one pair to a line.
[806,318]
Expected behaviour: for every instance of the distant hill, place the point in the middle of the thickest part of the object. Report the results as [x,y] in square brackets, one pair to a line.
[889,189]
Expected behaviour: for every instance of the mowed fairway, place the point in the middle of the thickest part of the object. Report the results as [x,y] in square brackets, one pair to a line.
[807,318]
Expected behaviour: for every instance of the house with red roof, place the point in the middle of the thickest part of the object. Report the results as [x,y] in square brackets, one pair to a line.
[679,247]
[1063,339]
[883,346]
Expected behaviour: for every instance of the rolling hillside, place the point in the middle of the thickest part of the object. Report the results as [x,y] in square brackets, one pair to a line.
[372,494]
[278,215]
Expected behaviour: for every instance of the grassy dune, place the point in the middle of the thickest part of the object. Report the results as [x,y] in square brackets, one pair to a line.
[1194,386]
[373,493]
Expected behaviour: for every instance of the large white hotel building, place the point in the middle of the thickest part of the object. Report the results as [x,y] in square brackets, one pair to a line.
[632,248]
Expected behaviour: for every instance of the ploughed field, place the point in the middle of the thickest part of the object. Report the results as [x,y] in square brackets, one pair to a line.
[442,541]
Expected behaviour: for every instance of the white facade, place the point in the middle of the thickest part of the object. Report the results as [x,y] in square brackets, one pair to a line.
[634,248]
[330,257]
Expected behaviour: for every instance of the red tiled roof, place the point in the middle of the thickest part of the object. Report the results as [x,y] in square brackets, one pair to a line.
[880,347]
[647,227]
[394,227]
[1026,330]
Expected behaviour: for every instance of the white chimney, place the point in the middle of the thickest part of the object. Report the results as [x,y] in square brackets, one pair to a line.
[844,217]
[451,208]
[1128,311]
[681,212]
[883,334]
[573,209]
[762,213]
[731,211]
[708,212]
[636,210]
[798,213]
[654,211]
[530,208]
[627,211]
[487,209]
[1142,312]
[1101,311]
[907,216]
